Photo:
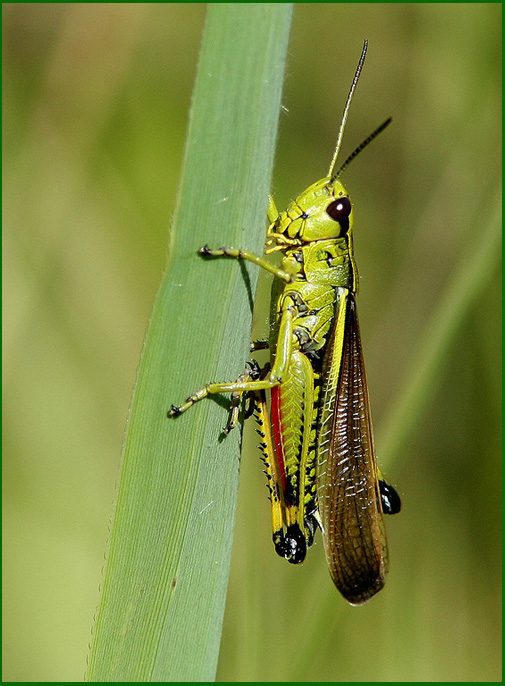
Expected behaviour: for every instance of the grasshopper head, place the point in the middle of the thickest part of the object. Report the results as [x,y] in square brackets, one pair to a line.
[322,211]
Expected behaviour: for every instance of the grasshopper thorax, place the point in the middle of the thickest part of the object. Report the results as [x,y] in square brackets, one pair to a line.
[323,211]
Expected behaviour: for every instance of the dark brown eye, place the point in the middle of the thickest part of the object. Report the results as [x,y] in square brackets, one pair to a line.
[339,210]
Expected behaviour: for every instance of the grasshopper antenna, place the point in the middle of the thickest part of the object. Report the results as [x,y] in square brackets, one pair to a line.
[346,109]
[363,145]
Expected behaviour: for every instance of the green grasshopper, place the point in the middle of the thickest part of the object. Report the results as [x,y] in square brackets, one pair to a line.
[317,441]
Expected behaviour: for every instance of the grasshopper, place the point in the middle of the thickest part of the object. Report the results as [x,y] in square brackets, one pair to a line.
[316,435]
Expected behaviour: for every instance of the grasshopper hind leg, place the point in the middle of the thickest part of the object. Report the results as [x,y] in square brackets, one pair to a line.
[296,542]
[295,545]
[290,541]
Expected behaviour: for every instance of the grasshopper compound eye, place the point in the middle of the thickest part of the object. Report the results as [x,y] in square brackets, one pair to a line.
[339,210]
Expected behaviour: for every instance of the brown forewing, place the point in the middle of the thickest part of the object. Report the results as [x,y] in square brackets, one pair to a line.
[348,493]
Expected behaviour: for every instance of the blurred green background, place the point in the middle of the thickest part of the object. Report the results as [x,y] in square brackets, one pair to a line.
[96,98]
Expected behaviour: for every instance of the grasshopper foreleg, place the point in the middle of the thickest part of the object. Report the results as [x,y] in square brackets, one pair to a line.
[240,254]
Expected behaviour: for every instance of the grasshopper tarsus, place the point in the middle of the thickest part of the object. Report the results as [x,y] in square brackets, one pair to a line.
[207,251]
[174,411]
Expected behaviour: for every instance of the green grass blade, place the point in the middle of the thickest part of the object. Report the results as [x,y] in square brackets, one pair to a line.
[167,571]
